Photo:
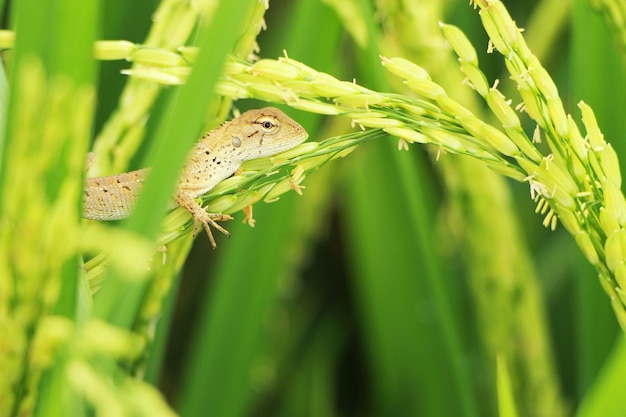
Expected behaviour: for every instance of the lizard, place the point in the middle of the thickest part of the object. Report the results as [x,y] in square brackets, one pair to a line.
[216,156]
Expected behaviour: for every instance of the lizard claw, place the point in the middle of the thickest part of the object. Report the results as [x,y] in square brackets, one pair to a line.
[200,216]
[209,220]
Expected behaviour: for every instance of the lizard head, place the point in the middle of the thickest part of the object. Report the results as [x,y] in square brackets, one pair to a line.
[254,134]
[265,132]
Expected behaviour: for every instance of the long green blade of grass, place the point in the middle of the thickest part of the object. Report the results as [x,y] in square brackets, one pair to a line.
[231,340]
[180,127]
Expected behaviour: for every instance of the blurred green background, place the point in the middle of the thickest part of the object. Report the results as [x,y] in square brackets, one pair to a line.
[396,282]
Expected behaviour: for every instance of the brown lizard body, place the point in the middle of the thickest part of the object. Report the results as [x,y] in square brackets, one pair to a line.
[217,156]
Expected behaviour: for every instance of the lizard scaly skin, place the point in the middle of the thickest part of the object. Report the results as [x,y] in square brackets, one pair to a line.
[217,156]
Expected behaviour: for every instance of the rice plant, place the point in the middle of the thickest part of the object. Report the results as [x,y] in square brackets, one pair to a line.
[450,240]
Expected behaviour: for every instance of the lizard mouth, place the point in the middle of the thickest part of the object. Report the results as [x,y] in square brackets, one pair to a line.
[296,138]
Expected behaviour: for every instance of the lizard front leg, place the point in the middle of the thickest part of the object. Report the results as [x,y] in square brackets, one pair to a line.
[200,215]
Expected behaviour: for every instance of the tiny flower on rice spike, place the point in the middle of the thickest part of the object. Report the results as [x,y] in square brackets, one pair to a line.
[618,304]
[452,107]
[160,77]
[157,58]
[594,162]
[596,138]
[503,23]
[537,189]
[506,170]
[518,71]
[620,277]
[608,222]
[569,220]
[614,201]
[279,189]
[302,149]
[361,100]
[404,69]
[444,139]
[586,245]
[557,116]
[475,77]
[531,105]
[537,134]
[180,72]
[548,180]
[222,204]
[232,68]
[260,164]
[495,39]
[564,188]
[305,70]
[615,249]
[274,70]
[297,176]
[542,206]
[295,185]
[617,297]
[231,183]
[426,88]
[328,86]
[231,89]
[541,79]
[249,198]
[459,42]
[112,50]
[550,221]
[610,165]
[343,153]
[314,162]
[501,108]
[248,217]
[315,107]
[406,134]
[608,285]
[378,122]
[576,139]
[488,157]
[271,92]
[495,139]
[519,138]
[415,110]
[301,88]
[357,113]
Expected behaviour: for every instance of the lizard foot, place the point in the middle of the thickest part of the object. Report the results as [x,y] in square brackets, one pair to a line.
[209,220]
[201,216]
[247,211]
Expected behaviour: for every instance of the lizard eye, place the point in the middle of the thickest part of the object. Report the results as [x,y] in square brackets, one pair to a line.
[267,124]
